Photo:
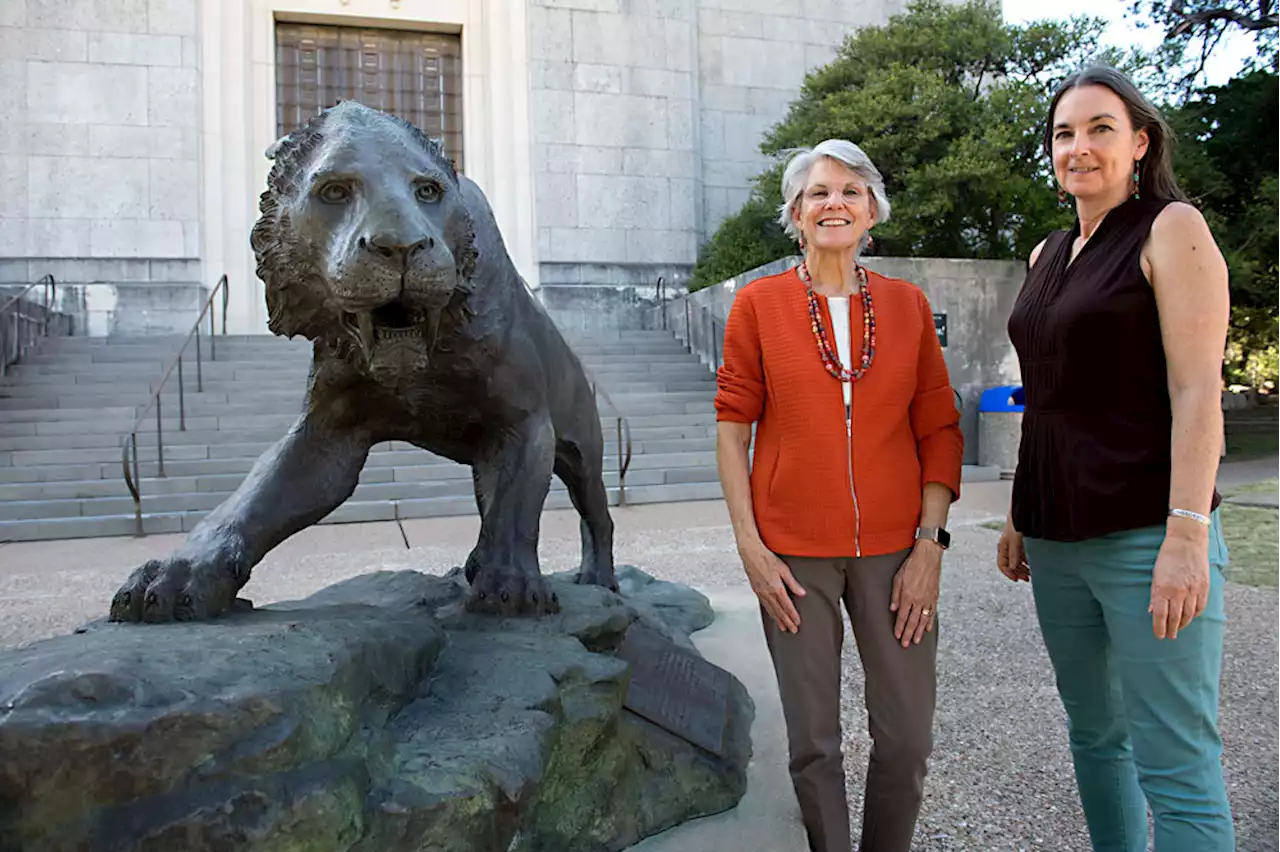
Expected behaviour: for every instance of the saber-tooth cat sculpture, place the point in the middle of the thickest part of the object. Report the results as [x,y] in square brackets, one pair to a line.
[375,249]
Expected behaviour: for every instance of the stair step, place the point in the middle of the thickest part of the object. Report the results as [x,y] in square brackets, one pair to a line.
[413,464]
[289,398]
[93,415]
[120,419]
[74,493]
[642,403]
[640,436]
[119,424]
[349,512]
[458,485]
[273,369]
[378,457]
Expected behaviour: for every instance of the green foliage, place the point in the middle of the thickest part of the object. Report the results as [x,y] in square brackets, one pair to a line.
[1227,161]
[948,102]
[749,238]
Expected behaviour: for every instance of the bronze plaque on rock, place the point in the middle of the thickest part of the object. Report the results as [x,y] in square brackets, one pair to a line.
[675,689]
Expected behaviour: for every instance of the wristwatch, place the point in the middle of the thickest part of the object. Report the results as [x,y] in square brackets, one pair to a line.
[938,535]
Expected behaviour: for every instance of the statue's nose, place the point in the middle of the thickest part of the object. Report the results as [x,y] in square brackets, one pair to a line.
[394,248]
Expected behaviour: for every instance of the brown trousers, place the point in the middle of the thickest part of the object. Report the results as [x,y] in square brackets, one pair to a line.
[900,695]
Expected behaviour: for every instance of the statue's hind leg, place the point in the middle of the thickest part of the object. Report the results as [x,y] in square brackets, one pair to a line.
[580,466]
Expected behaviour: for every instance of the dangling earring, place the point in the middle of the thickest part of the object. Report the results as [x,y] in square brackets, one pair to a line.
[870,241]
[1062,195]
[800,239]
[1135,178]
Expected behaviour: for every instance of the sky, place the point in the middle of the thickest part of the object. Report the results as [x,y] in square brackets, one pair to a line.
[1223,63]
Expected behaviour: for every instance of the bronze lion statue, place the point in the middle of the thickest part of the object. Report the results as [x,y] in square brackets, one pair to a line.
[375,249]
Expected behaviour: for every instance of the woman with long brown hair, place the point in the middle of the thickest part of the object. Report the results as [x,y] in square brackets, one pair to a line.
[1120,330]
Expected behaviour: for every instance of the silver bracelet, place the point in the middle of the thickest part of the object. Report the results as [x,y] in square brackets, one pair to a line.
[1187,513]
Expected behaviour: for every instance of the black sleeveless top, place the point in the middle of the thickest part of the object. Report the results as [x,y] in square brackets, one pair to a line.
[1096,430]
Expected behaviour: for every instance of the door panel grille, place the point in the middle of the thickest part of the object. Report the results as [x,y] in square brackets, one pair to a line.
[415,75]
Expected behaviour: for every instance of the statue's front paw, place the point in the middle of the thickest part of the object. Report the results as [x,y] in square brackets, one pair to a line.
[179,588]
[511,593]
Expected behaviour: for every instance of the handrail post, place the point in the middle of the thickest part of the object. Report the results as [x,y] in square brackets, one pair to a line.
[44,320]
[622,471]
[159,437]
[182,403]
[213,337]
[210,307]
[137,494]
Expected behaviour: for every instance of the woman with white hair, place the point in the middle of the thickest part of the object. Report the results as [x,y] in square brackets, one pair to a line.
[856,462]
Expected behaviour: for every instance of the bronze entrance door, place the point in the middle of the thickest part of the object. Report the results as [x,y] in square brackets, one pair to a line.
[415,75]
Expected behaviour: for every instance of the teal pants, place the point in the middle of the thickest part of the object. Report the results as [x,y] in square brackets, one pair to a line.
[1142,713]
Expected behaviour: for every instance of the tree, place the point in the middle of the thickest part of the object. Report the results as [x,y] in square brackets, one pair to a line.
[1227,161]
[948,101]
[1194,28]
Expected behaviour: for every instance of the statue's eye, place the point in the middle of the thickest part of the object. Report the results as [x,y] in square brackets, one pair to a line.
[334,193]
[428,191]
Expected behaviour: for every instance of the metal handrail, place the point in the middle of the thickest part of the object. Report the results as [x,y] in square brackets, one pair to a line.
[50,296]
[624,429]
[705,314]
[132,479]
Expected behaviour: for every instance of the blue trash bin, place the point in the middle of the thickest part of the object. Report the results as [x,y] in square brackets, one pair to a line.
[1002,398]
[1000,426]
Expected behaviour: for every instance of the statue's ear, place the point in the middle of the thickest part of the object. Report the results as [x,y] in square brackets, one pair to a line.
[274,148]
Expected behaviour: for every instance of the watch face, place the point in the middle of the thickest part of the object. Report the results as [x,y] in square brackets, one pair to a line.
[936,534]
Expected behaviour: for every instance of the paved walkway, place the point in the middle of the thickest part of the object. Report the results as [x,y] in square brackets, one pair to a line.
[1000,778]
[1233,474]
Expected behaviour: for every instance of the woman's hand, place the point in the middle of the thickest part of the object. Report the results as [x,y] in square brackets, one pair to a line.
[915,593]
[1011,555]
[770,579]
[1179,583]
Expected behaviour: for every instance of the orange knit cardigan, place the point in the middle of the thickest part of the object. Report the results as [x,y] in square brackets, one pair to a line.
[816,489]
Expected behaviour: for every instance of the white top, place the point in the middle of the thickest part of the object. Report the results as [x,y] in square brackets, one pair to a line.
[839,307]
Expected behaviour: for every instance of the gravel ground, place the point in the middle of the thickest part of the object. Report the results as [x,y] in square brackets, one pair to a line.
[1001,776]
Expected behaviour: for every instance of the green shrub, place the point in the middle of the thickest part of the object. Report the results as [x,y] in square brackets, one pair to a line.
[747,239]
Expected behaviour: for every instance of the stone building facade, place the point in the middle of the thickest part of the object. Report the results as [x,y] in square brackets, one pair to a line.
[611,136]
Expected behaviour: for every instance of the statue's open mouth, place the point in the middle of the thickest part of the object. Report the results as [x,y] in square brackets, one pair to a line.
[392,321]
[396,320]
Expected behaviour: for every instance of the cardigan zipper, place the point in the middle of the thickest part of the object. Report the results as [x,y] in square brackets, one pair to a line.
[857,515]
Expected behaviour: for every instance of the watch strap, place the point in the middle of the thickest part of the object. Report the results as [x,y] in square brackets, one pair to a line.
[938,535]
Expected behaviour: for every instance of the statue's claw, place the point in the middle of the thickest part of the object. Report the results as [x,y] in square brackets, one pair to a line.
[178,588]
[511,593]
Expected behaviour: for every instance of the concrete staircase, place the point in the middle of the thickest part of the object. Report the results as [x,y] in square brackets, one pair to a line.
[65,410]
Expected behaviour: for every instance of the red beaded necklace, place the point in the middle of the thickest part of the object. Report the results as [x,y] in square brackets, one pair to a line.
[829,358]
